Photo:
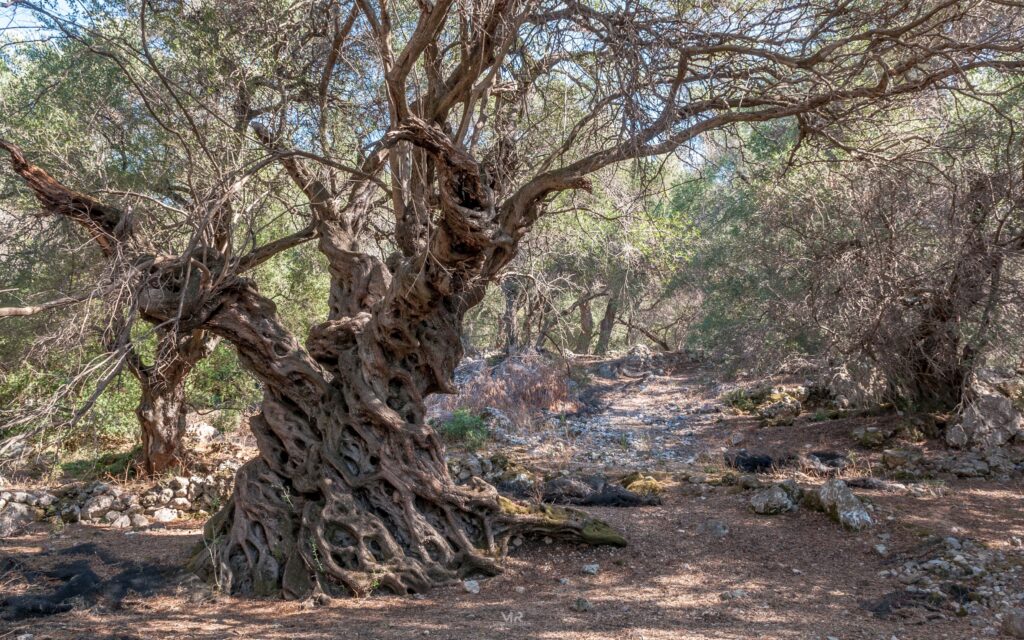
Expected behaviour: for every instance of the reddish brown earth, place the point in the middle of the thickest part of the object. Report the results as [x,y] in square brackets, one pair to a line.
[803,576]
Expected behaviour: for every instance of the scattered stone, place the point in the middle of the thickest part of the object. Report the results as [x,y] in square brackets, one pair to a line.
[96,506]
[749,481]
[868,482]
[471,586]
[827,461]
[643,485]
[899,458]
[121,522]
[182,504]
[14,518]
[591,569]
[71,513]
[734,594]
[582,605]
[771,501]
[519,589]
[201,436]
[782,410]
[870,437]
[714,528]
[792,490]
[836,499]
[165,515]
[1013,623]
[139,521]
[748,462]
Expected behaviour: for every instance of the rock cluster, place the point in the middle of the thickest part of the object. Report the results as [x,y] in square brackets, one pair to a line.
[833,497]
[993,413]
[910,463]
[782,410]
[873,437]
[775,406]
[183,494]
[20,508]
[638,362]
[857,385]
[110,504]
[470,465]
[965,578]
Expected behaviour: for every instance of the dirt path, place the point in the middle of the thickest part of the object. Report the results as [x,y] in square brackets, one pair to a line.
[700,565]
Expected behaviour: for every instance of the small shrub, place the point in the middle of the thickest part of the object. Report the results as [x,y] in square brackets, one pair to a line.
[822,414]
[746,400]
[466,428]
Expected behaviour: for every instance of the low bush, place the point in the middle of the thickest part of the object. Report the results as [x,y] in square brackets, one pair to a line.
[466,428]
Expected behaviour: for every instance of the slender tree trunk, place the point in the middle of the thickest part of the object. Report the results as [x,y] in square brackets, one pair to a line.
[604,335]
[509,322]
[161,413]
[161,409]
[586,335]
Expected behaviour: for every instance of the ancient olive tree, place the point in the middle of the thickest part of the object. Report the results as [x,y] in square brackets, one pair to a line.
[425,140]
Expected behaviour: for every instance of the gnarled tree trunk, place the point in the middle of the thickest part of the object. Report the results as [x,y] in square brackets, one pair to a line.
[351,491]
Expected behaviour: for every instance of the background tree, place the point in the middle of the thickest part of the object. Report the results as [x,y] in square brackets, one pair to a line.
[903,255]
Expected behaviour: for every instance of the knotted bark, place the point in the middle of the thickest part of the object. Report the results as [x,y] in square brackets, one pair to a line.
[351,493]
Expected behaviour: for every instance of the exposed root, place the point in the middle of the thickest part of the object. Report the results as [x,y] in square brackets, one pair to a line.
[266,541]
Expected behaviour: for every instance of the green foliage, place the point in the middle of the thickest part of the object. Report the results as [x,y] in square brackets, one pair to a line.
[465,428]
[111,422]
[747,400]
[218,384]
[113,415]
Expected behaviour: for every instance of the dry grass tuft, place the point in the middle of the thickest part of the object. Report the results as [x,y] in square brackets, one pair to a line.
[522,386]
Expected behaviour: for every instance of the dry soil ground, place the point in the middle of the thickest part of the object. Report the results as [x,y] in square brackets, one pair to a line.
[799,575]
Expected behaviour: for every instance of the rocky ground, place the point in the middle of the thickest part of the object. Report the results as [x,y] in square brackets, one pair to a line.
[758,512]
